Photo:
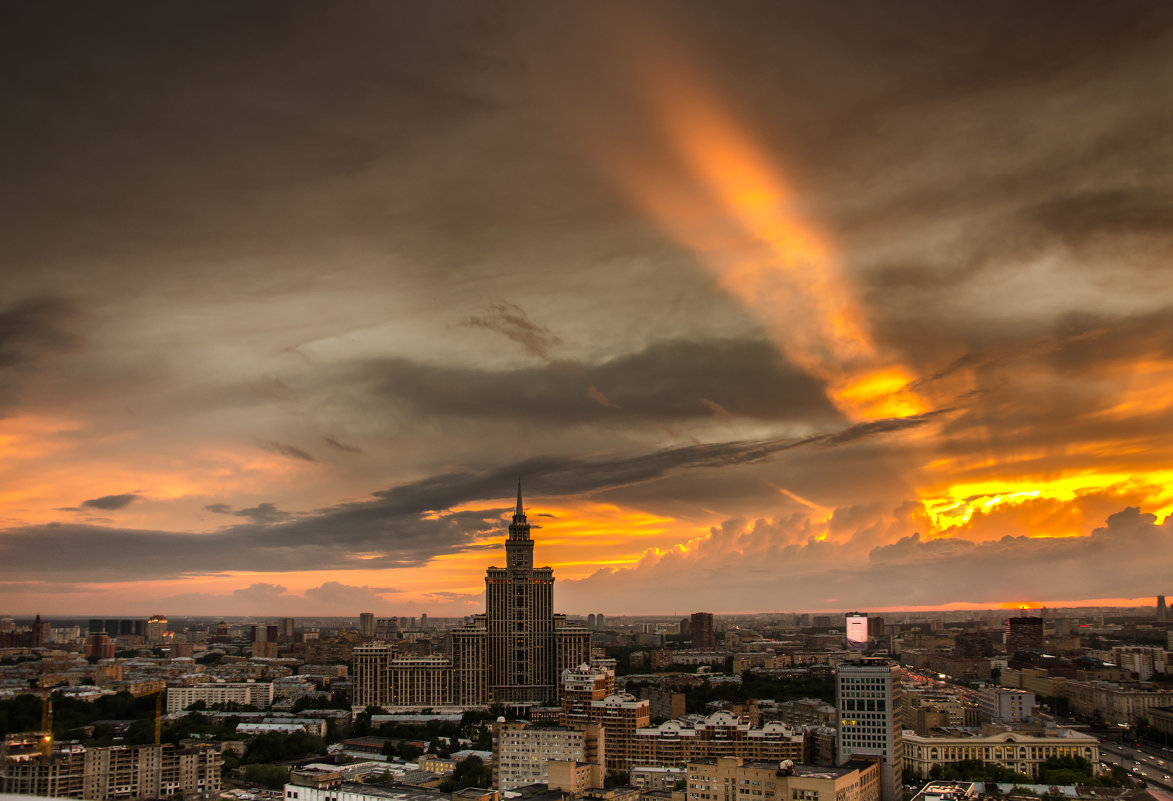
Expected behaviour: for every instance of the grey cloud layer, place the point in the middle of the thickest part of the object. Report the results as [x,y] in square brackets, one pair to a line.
[665,381]
[396,529]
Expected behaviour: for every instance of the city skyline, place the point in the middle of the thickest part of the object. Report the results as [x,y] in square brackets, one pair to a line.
[771,308]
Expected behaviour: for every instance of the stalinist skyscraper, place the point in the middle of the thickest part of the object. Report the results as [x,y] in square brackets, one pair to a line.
[516,651]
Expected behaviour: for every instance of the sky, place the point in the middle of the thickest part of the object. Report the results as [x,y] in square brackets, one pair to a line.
[771,306]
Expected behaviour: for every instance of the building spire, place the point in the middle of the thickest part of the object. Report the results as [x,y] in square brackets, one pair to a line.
[519,529]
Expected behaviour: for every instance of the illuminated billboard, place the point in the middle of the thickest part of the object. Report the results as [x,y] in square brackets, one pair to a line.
[857,631]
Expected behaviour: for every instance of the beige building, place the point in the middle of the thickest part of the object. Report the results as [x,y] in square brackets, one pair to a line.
[736,779]
[588,696]
[807,712]
[1022,750]
[1116,703]
[420,681]
[516,651]
[372,675]
[245,693]
[522,751]
[678,742]
[122,772]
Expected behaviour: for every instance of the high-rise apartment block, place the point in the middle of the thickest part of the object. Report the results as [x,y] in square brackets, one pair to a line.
[522,751]
[156,629]
[868,699]
[121,772]
[589,697]
[366,625]
[700,628]
[1023,634]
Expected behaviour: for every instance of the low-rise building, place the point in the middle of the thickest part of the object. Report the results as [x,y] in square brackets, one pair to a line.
[1022,750]
[246,693]
[720,734]
[330,786]
[736,779]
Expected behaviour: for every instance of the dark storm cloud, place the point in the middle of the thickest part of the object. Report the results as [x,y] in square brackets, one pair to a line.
[511,321]
[261,513]
[34,326]
[292,451]
[30,331]
[110,502]
[398,528]
[665,381]
[341,446]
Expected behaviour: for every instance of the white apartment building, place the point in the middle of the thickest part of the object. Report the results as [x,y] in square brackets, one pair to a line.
[1005,705]
[522,750]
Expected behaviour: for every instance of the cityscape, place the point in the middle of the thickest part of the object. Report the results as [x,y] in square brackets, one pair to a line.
[668,400]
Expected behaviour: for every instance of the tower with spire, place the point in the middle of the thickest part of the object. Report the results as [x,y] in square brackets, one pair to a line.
[516,652]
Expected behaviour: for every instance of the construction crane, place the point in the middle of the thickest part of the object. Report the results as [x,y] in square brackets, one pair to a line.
[46,723]
[158,717]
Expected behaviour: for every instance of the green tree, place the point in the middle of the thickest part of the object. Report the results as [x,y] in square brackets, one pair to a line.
[471,772]
[272,776]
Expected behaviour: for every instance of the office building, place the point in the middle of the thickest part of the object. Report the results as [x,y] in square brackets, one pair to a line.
[1162,610]
[868,700]
[700,629]
[856,631]
[738,779]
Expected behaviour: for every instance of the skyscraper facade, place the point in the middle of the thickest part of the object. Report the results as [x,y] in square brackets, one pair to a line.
[701,630]
[1023,634]
[868,700]
[517,650]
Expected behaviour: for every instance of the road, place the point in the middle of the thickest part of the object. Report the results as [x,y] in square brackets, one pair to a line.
[1150,763]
